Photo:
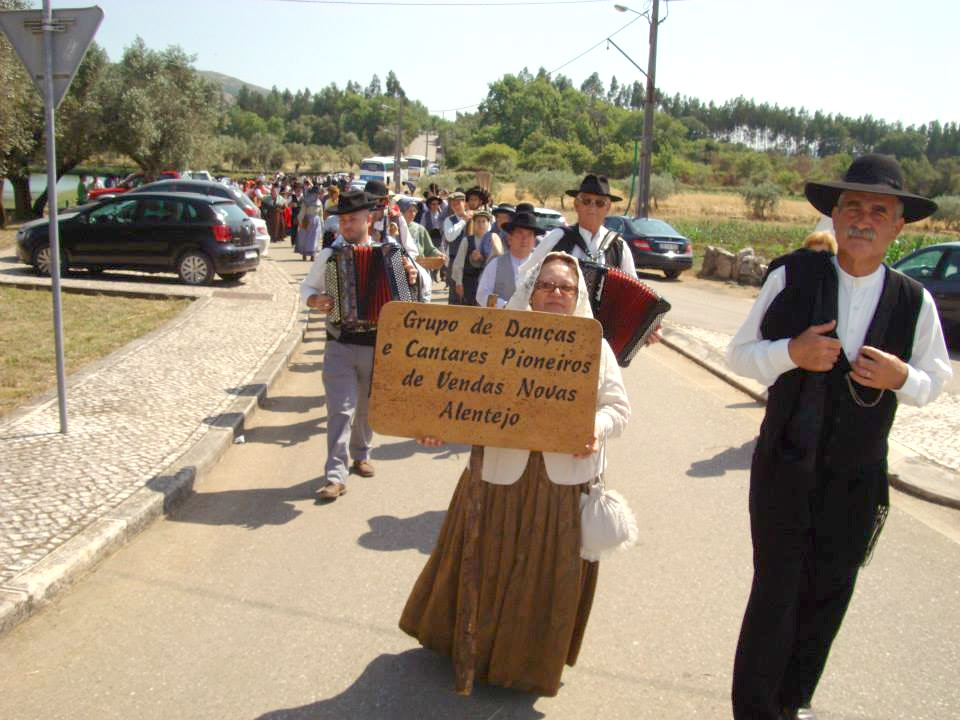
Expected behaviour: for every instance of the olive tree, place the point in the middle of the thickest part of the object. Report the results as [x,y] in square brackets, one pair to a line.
[158,110]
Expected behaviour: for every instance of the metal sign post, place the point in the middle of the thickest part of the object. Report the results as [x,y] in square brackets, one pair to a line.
[52,65]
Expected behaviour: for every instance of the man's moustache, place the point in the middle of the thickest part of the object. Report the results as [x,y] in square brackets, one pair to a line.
[865,234]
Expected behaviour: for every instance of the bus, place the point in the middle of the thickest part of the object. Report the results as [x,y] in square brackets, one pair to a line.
[380,168]
[416,165]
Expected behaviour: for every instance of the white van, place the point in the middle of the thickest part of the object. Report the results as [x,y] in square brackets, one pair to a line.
[380,168]
[416,165]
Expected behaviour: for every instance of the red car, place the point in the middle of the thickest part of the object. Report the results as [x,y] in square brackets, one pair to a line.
[129,183]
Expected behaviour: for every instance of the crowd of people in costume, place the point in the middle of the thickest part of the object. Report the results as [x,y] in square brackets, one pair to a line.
[837,336]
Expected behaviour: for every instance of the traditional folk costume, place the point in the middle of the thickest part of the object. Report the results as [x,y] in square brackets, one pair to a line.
[500,275]
[310,225]
[534,592]
[605,246]
[347,366]
[818,480]
[273,212]
[466,271]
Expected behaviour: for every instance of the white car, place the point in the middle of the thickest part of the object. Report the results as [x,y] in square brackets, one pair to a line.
[263,237]
[197,175]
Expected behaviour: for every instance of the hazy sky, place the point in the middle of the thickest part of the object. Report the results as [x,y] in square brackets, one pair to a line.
[893,60]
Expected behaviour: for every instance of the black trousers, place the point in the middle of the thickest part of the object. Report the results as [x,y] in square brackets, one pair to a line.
[810,533]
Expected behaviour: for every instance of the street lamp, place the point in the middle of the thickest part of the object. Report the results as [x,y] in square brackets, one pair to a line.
[646,156]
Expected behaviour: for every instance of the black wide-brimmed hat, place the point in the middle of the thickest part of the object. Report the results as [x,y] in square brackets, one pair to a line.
[873,173]
[353,201]
[595,185]
[376,188]
[522,219]
[504,208]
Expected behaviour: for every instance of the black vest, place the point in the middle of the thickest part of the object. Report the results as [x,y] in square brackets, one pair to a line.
[612,256]
[813,416]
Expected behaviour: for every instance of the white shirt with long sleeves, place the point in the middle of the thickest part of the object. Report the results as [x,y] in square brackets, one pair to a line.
[504,466]
[928,368]
[488,279]
[592,240]
[452,227]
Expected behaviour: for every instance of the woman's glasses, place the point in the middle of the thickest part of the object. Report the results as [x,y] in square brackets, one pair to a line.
[549,287]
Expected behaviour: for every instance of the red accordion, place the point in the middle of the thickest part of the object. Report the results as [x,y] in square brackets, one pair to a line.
[361,279]
[628,309]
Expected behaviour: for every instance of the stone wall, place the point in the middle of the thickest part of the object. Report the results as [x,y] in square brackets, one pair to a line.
[743,267]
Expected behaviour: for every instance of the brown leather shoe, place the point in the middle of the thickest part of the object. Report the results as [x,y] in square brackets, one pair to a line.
[331,491]
[363,468]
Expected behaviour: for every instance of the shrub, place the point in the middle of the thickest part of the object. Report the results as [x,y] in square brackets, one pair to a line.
[661,187]
[948,210]
[761,198]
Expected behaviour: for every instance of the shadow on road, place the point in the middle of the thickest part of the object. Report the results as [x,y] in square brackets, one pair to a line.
[388,533]
[250,509]
[734,458]
[287,435]
[413,684]
[407,448]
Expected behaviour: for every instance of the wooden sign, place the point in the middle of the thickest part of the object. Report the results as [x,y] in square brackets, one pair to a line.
[483,376]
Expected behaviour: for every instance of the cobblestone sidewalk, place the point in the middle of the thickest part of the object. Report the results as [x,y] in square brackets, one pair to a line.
[930,431]
[134,414]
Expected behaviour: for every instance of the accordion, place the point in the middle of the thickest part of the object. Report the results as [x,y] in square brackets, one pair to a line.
[628,310]
[361,279]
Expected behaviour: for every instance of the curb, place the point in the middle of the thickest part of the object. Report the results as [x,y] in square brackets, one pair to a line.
[924,479]
[32,589]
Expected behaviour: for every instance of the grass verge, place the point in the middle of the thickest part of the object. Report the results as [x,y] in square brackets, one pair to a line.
[93,327]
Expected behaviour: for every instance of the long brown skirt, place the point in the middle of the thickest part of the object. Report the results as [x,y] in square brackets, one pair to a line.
[532,593]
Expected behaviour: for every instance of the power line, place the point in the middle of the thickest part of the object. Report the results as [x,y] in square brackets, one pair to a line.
[568,62]
[442,4]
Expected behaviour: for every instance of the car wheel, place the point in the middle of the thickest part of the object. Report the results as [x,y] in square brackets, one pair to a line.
[672,274]
[195,268]
[42,259]
[232,276]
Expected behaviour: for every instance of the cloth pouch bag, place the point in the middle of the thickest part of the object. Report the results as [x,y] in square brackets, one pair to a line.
[606,522]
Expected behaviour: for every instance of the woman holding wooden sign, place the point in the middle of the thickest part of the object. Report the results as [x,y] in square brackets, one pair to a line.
[506,593]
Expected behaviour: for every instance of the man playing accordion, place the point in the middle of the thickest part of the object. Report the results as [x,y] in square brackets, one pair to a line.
[348,356]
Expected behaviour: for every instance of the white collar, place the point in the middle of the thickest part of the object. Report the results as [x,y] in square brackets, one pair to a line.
[591,237]
[859,282]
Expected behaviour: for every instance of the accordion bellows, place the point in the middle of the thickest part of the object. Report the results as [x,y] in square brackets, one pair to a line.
[362,279]
[628,309]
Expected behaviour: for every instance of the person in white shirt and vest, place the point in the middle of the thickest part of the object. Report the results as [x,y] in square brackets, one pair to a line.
[347,357]
[839,340]
[499,278]
[454,232]
[588,239]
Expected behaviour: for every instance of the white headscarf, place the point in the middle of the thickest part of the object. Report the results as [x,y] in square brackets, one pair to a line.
[520,300]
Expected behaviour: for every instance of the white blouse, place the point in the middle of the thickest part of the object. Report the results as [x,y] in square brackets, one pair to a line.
[504,466]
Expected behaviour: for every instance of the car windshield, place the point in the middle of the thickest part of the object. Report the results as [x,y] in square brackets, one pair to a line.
[648,227]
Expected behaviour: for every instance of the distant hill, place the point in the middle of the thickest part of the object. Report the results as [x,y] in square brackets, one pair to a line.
[231,85]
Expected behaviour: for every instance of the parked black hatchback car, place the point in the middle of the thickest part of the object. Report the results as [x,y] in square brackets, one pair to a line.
[937,268]
[654,244]
[194,236]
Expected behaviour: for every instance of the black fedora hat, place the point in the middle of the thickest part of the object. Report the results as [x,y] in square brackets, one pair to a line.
[376,188]
[353,201]
[873,173]
[595,185]
[523,219]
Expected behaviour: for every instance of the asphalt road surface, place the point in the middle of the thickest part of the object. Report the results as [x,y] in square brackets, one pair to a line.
[251,601]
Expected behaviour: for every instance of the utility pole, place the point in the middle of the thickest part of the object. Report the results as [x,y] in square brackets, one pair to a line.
[397,149]
[646,161]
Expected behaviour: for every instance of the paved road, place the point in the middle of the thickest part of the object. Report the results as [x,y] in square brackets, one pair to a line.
[252,601]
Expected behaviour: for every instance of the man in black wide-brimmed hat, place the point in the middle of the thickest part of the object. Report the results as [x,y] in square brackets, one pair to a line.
[588,239]
[348,354]
[839,340]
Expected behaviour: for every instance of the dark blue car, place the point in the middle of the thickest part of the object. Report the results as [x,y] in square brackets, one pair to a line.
[654,244]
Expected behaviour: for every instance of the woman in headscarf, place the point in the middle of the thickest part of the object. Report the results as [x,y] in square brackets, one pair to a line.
[310,227]
[535,591]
